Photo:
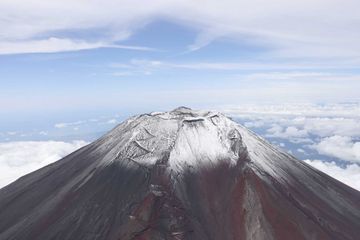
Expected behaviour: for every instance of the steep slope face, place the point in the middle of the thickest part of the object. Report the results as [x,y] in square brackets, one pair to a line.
[179,175]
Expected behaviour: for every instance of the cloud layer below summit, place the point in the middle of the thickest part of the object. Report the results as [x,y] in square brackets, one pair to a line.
[325,136]
[19,158]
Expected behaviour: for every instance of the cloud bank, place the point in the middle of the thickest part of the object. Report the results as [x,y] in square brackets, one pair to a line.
[350,175]
[329,129]
[20,158]
[326,135]
[341,147]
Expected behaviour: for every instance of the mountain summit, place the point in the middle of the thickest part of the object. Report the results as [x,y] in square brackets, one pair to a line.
[176,175]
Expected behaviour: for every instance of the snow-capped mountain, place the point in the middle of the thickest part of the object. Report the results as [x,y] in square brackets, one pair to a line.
[182,174]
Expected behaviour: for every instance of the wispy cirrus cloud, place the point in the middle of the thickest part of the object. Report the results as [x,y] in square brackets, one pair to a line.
[52,45]
[286,29]
[92,122]
[304,68]
[68,124]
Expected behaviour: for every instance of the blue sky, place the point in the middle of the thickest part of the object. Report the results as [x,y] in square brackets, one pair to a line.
[71,70]
[125,57]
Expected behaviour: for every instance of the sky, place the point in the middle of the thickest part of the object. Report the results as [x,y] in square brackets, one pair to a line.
[70,70]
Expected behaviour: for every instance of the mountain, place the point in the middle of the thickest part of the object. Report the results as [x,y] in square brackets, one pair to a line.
[176,175]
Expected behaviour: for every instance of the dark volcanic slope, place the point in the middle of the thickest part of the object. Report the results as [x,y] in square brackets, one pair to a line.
[179,175]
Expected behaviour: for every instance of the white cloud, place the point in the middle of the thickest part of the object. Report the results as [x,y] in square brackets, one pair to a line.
[276,131]
[87,122]
[46,46]
[254,124]
[300,150]
[343,110]
[270,66]
[60,125]
[68,124]
[320,126]
[205,37]
[295,132]
[298,120]
[327,28]
[36,26]
[318,121]
[112,121]
[20,158]
[331,126]
[349,175]
[53,44]
[341,147]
